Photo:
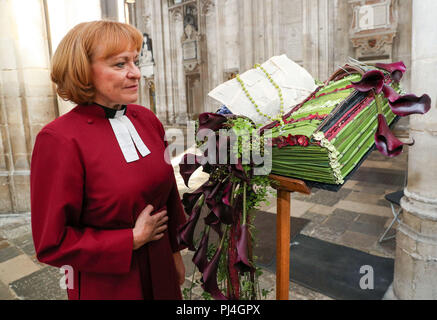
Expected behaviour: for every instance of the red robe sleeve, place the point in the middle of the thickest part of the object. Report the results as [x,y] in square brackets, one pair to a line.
[175,210]
[57,191]
[176,215]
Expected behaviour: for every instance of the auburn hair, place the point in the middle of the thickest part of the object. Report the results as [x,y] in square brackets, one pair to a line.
[71,62]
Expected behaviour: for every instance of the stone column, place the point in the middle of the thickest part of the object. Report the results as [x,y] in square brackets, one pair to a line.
[27,99]
[164,105]
[310,32]
[290,36]
[177,76]
[416,240]
[245,29]
[342,21]
[209,12]
[231,48]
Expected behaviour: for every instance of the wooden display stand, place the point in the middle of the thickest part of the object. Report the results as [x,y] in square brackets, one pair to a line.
[284,186]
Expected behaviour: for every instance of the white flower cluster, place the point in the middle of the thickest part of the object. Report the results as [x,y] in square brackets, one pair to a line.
[333,156]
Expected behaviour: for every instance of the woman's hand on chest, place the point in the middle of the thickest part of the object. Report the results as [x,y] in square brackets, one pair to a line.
[149,227]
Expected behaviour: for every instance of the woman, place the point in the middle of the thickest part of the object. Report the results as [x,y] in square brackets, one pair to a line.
[104,201]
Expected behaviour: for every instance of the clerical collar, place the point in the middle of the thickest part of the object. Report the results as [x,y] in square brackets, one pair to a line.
[125,133]
[111,113]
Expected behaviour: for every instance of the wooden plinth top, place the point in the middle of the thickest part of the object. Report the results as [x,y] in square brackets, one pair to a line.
[289,184]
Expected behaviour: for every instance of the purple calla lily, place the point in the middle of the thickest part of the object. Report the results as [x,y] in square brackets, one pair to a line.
[373,79]
[222,212]
[396,69]
[215,203]
[406,104]
[227,194]
[209,277]
[212,121]
[390,93]
[239,172]
[385,140]
[187,169]
[200,258]
[212,221]
[411,104]
[242,263]
[186,231]
[190,199]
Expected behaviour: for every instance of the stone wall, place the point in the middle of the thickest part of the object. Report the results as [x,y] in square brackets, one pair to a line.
[236,34]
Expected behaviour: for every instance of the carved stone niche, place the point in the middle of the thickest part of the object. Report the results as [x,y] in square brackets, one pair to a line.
[146,57]
[230,74]
[190,49]
[374,26]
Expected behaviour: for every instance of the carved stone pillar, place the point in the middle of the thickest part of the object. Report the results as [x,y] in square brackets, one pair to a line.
[160,34]
[178,74]
[231,43]
[290,36]
[247,58]
[311,37]
[26,97]
[416,238]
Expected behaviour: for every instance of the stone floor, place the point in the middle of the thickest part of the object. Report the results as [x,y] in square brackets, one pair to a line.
[355,216]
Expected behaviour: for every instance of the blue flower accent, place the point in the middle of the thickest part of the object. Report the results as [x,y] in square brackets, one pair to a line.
[223,110]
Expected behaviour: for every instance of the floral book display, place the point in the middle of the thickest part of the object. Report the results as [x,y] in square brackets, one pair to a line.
[328,135]
[322,139]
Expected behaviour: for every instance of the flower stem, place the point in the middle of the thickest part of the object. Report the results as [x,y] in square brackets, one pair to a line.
[234,185]
[192,281]
[244,203]
[222,241]
[378,102]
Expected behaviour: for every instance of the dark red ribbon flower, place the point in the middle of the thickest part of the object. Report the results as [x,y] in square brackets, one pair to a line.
[303,141]
[280,142]
[292,140]
[396,69]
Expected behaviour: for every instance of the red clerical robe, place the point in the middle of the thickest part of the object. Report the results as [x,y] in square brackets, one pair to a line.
[85,199]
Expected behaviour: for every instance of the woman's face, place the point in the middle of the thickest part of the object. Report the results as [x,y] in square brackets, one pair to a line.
[116,78]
